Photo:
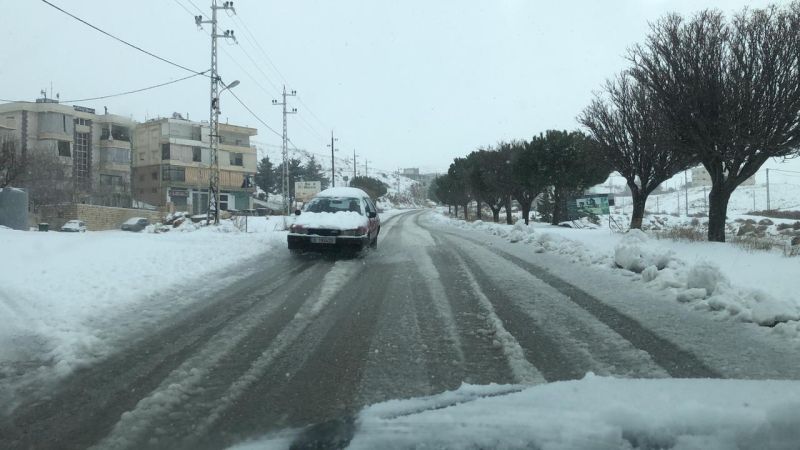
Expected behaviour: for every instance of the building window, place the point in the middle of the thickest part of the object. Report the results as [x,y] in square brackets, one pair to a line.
[116,155]
[119,133]
[236,159]
[141,156]
[85,122]
[173,173]
[154,175]
[223,202]
[197,134]
[105,134]
[197,154]
[81,161]
[63,148]
[110,180]
[165,151]
[141,177]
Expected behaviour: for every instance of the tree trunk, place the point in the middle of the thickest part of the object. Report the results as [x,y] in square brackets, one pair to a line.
[525,206]
[556,207]
[509,219]
[478,210]
[449,210]
[495,214]
[456,208]
[639,200]
[717,212]
[466,210]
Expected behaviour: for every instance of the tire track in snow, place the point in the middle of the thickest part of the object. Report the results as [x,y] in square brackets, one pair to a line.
[524,372]
[419,241]
[87,405]
[675,361]
[183,392]
[332,283]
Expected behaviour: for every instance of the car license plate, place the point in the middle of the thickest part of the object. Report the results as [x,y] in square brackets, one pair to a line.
[323,240]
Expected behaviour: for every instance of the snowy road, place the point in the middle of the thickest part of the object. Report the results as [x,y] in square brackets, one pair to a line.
[306,340]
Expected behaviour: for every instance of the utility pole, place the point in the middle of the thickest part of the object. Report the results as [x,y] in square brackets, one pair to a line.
[768,204]
[354,164]
[285,148]
[686,192]
[333,149]
[213,178]
[705,200]
[366,167]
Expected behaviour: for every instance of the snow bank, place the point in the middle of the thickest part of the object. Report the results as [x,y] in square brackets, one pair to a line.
[65,297]
[595,412]
[690,272]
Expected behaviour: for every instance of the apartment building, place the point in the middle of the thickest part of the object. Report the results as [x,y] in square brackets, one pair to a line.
[93,150]
[171,165]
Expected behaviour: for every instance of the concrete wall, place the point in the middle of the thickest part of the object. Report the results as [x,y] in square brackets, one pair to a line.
[97,218]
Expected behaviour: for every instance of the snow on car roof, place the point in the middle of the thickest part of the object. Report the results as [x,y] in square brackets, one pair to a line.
[133,220]
[343,192]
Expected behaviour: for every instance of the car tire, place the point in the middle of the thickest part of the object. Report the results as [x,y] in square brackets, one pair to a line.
[374,243]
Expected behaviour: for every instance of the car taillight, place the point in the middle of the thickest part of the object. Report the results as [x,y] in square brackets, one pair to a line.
[362,230]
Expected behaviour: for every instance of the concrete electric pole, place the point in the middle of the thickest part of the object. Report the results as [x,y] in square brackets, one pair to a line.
[354,163]
[213,178]
[285,173]
[333,149]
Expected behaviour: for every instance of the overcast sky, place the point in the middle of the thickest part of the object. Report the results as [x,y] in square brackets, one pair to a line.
[408,83]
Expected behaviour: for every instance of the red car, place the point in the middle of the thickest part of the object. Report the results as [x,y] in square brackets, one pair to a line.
[337,218]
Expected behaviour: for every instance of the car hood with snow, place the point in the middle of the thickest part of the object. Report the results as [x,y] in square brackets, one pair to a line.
[595,412]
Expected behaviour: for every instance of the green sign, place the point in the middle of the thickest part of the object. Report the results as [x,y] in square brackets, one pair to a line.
[587,205]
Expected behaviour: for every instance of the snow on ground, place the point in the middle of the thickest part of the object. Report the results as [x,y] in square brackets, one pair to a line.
[595,412]
[65,298]
[757,287]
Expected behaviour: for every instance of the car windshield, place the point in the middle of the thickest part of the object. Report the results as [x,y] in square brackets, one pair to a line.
[416,224]
[334,205]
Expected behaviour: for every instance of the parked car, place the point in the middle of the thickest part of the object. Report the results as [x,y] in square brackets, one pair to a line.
[74,226]
[135,224]
[336,218]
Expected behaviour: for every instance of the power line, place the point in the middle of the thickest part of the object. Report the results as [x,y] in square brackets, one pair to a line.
[254,42]
[136,90]
[254,114]
[197,8]
[122,40]
[184,7]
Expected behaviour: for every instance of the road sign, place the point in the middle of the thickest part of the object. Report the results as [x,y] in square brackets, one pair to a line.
[306,190]
[595,204]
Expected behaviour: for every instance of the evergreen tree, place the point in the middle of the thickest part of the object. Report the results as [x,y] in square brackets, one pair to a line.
[265,177]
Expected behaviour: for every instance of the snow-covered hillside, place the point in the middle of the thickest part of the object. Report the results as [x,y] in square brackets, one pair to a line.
[782,196]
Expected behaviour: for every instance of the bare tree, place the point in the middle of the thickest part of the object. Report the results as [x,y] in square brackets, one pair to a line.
[633,135]
[12,163]
[730,89]
[47,178]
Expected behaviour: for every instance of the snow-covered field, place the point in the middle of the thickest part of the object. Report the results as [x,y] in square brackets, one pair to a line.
[728,281]
[782,196]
